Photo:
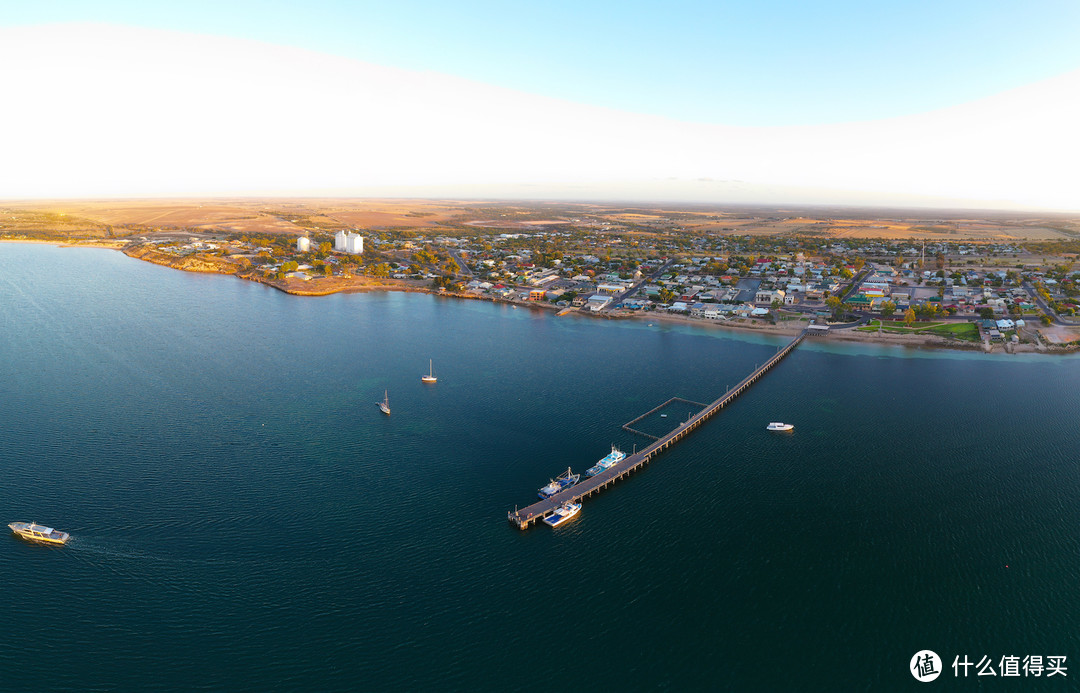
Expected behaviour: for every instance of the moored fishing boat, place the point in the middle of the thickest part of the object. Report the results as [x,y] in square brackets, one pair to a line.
[616,455]
[563,481]
[563,513]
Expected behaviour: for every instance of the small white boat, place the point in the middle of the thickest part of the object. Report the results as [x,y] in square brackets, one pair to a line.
[35,532]
[563,513]
[777,426]
[385,404]
[430,377]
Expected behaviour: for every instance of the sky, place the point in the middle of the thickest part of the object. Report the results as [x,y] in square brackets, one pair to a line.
[952,103]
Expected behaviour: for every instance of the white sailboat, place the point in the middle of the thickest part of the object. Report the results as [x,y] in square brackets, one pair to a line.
[384,405]
[430,377]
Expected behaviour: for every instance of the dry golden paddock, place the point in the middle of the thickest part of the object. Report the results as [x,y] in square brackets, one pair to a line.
[118,218]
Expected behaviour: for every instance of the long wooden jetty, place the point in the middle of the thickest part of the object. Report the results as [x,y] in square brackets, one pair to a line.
[523,518]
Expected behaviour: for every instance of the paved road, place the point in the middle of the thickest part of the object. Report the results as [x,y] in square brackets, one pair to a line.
[461,263]
[856,280]
[864,318]
[637,285]
[1044,307]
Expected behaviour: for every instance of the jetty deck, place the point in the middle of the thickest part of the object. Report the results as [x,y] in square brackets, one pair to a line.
[523,518]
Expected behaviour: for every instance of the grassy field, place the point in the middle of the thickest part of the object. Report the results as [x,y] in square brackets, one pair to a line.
[965,331]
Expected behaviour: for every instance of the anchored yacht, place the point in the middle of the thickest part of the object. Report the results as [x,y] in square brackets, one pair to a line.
[430,377]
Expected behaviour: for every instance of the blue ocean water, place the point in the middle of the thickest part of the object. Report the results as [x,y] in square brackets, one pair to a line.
[245,518]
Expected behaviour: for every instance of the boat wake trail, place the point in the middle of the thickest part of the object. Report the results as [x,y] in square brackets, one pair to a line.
[90,549]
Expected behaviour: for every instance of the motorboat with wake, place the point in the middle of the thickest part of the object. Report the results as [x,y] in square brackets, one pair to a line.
[32,531]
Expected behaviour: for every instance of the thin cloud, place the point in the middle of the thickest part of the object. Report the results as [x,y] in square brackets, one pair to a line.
[115,111]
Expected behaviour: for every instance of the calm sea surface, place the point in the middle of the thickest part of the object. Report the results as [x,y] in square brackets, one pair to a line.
[245,518]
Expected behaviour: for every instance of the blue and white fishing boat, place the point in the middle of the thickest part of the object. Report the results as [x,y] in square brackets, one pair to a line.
[563,481]
[616,455]
[563,513]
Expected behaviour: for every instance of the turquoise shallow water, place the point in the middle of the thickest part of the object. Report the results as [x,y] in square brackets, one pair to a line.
[246,519]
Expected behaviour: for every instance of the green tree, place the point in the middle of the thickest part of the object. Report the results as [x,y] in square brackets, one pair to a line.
[834,304]
[888,308]
[424,257]
[986,313]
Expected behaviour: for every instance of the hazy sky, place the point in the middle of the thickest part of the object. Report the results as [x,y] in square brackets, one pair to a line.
[969,102]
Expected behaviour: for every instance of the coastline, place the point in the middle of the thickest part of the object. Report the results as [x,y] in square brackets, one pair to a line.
[111,244]
[785,328]
[323,286]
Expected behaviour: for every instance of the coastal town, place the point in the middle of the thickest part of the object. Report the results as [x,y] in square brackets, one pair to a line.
[1019,293]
